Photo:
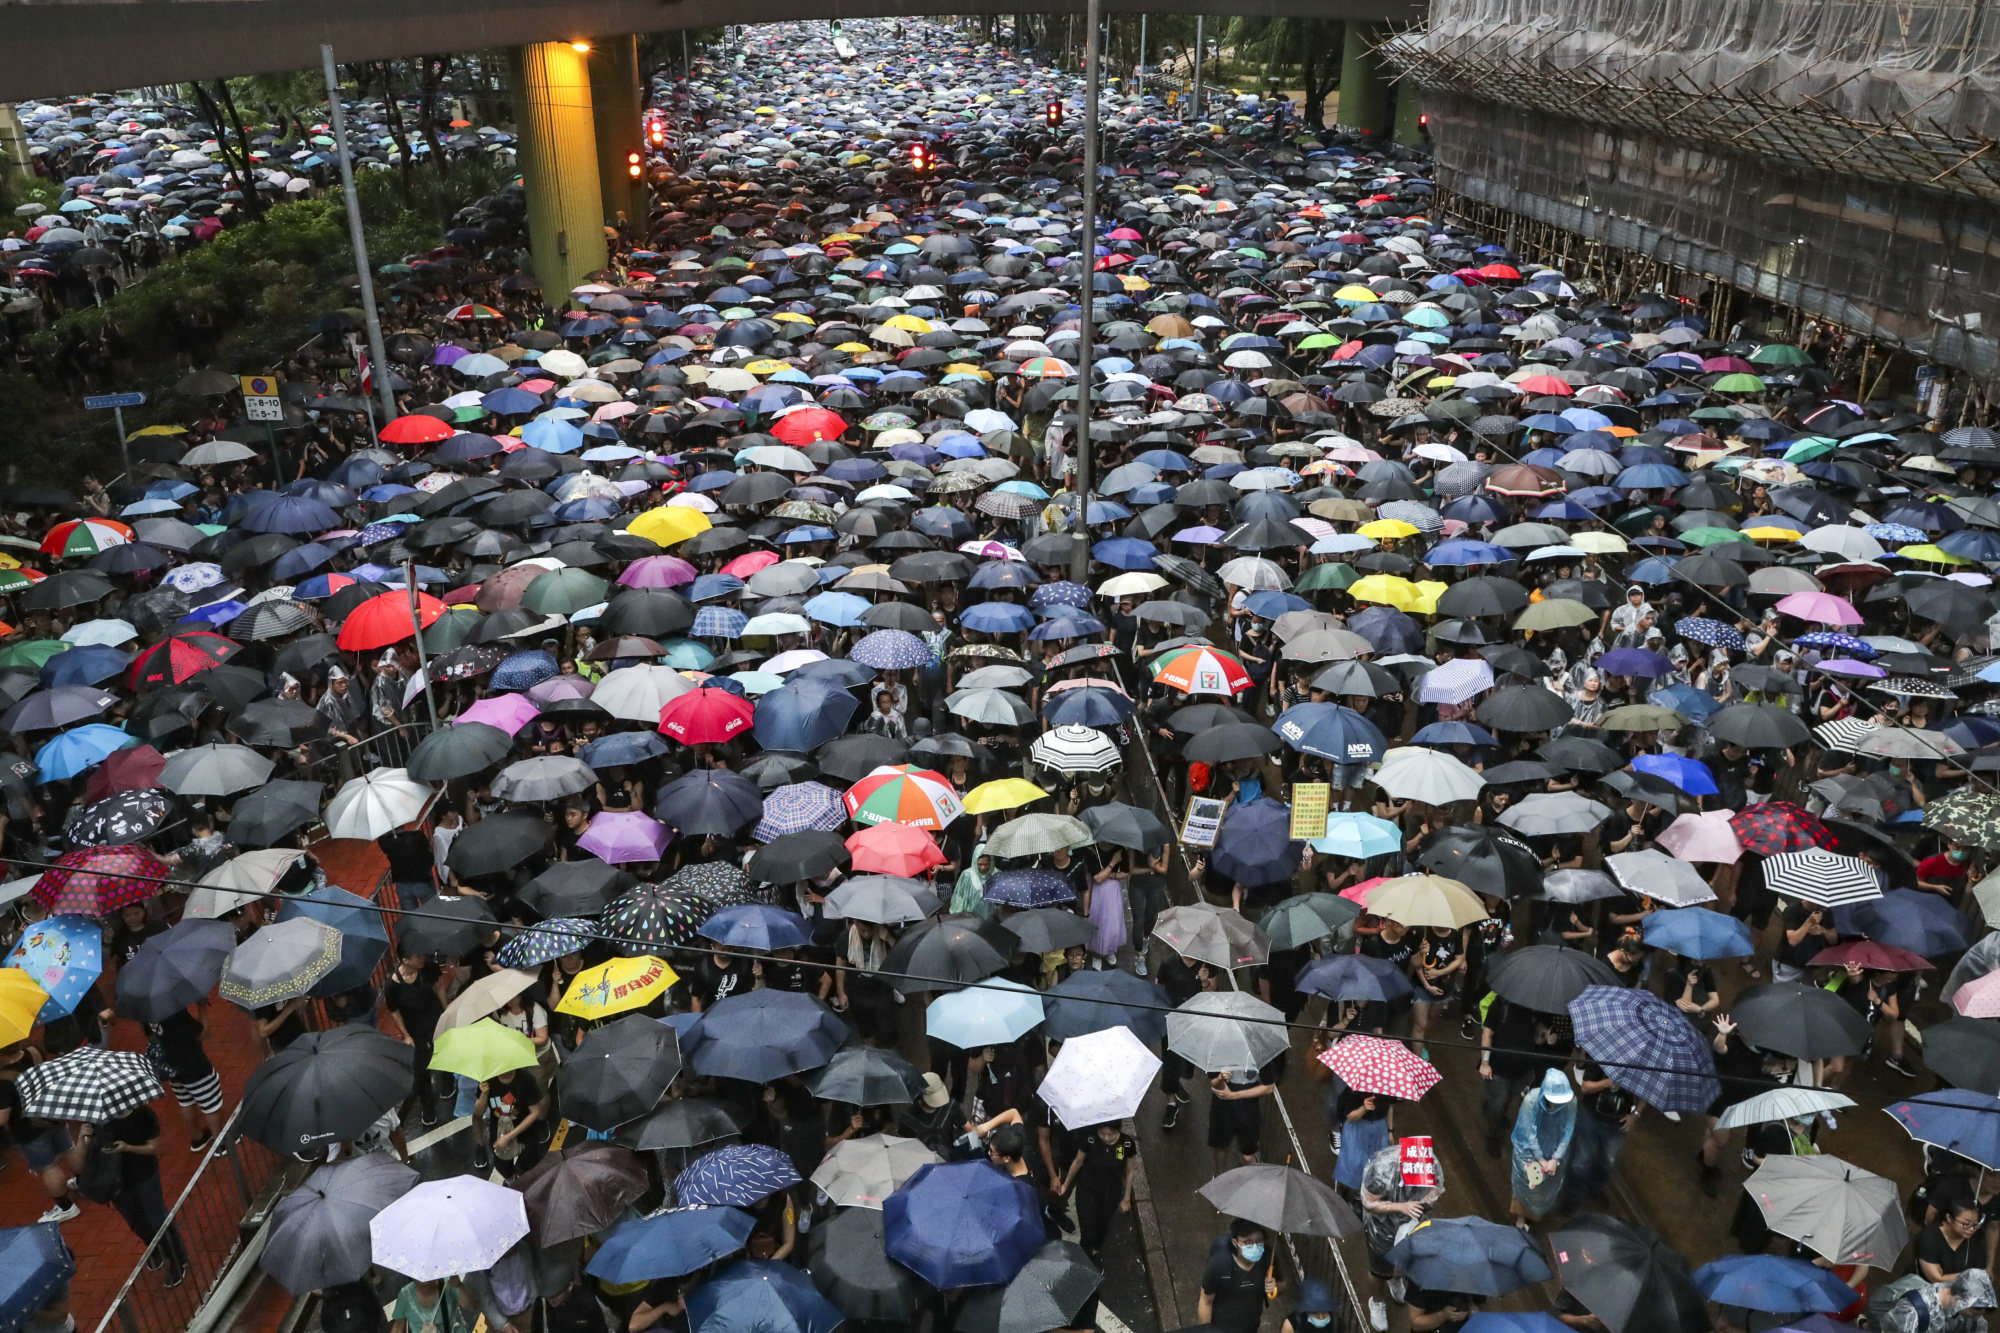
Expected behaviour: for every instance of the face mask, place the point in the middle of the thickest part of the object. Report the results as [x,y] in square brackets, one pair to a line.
[1252,1253]
[1319,1320]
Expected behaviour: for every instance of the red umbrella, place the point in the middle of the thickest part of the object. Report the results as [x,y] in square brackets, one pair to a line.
[706,716]
[1388,1068]
[179,658]
[415,429]
[894,849]
[1778,826]
[135,769]
[1869,955]
[385,619]
[95,881]
[815,423]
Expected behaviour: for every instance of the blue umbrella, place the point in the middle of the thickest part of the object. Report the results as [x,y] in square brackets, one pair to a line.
[1713,633]
[1091,1001]
[739,1176]
[621,748]
[1354,976]
[1060,593]
[364,937]
[993,574]
[1034,887]
[80,749]
[963,1224]
[709,801]
[1088,707]
[1124,553]
[524,670]
[1696,932]
[1646,1046]
[890,650]
[992,1013]
[1634,662]
[997,618]
[1956,1119]
[837,608]
[35,1265]
[803,714]
[546,941]
[1331,731]
[1255,844]
[1774,1284]
[1453,733]
[1909,919]
[63,955]
[1696,705]
[670,1243]
[1844,644]
[756,926]
[291,513]
[761,1036]
[760,1296]
[1469,1255]
[1689,775]
[86,664]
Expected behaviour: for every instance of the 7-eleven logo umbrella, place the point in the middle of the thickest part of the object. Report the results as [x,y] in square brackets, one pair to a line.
[1201,670]
[904,794]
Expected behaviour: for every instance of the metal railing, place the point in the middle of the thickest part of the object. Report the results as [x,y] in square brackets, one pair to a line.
[221,1207]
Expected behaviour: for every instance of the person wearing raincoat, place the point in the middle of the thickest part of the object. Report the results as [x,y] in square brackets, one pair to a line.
[968,895]
[1542,1132]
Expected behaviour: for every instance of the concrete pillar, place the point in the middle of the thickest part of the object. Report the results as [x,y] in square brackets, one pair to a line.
[14,155]
[558,157]
[616,104]
[1409,111]
[1364,88]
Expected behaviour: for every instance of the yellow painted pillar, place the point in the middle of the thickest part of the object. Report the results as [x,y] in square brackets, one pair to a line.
[558,159]
[616,103]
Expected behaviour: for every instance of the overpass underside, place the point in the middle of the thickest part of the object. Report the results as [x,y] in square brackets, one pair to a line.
[1841,159]
[57,47]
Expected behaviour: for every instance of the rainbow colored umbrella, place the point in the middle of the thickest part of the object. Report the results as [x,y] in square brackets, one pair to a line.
[904,794]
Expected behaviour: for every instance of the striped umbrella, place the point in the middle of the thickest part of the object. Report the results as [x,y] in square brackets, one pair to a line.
[1823,877]
[1075,749]
[904,794]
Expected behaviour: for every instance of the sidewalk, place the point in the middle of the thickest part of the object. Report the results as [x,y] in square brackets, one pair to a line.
[106,1250]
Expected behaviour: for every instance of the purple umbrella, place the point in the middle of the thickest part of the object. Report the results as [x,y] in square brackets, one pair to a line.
[509,712]
[620,839]
[658,571]
[1634,662]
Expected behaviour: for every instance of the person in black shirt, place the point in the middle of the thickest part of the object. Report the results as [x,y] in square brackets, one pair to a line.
[174,1046]
[1101,1173]
[411,996]
[717,978]
[412,864]
[1516,1047]
[1238,1280]
[1182,979]
[134,1139]
[1950,1245]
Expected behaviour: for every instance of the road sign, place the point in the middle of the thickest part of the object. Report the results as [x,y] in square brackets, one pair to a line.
[261,408]
[258,386]
[116,400]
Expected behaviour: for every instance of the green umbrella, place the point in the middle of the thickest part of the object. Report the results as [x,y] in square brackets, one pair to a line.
[33,653]
[1780,354]
[1332,575]
[482,1051]
[563,592]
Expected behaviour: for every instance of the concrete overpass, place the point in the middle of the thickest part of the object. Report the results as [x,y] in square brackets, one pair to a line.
[58,47]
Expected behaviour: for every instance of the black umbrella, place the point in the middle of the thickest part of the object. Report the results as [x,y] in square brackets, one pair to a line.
[653,612]
[619,1072]
[1485,859]
[1758,726]
[1546,977]
[708,800]
[451,927]
[1806,1022]
[1579,754]
[273,812]
[1119,825]
[948,952]
[867,1076]
[1524,708]
[278,722]
[852,758]
[1627,1277]
[319,1232]
[683,1122]
[849,1263]
[1048,929]
[126,817]
[795,857]
[326,1087]
[578,1191]
[1092,1001]
[174,969]
[1048,1292]
[573,888]
[1964,1052]
[458,751]
[497,844]
[1230,742]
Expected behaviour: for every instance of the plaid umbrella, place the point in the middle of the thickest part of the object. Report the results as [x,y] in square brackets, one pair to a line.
[653,916]
[1967,814]
[545,942]
[1714,633]
[1778,826]
[96,881]
[90,1084]
[739,1176]
[718,622]
[800,807]
[1370,1064]
[1646,1047]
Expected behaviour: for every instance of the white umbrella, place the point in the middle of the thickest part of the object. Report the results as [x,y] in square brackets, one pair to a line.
[1411,772]
[378,803]
[1099,1078]
[989,707]
[443,1228]
[638,693]
[562,362]
[1227,1030]
[1253,573]
[1660,877]
[109,633]
[1075,749]
[780,456]
[239,880]
[1037,834]
[215,770]
[1547,813]
[217,452]
[1783,1104]
[861,1173]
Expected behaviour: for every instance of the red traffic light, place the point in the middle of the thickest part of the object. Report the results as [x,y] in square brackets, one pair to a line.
[1055,114]
[635,165]
[656,132]
[1423,120]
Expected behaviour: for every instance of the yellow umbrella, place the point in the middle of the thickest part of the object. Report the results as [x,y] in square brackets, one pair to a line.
[670,523]
[792,317]
[157,430]
[910,323]
[614,987]
[1002,794]
[1426,900]
[967,368]
[1387,589]
[851,347]
[20,1001]
[1931,555]
[482,1051]
[1392,528]
[1428,592]
[1354,291]
[767,367]
[1770,532]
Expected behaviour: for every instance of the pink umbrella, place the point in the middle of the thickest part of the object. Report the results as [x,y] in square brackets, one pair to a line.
[658,571]
[743,566]
[1358,893]
[561,687]
[1979,998]
[620,839]
[509,712]
[1821,608]
[1703,837]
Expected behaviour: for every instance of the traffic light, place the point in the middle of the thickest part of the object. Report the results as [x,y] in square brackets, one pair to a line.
[1054,114]
[656,132]
[634,165]
[1424,120]
[922,159]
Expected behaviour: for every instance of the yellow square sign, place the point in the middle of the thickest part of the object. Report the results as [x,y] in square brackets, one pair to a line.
[259,386]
